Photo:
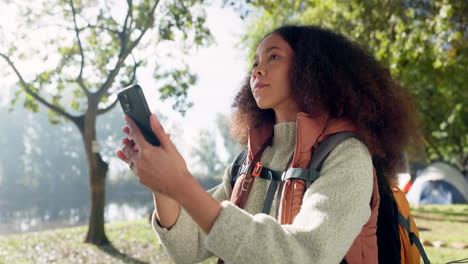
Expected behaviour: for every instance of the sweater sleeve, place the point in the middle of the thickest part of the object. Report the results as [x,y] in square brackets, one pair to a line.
[184,242]
[333,212]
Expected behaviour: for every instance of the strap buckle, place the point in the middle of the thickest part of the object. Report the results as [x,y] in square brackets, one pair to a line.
[257,169]
[244,168]
[245,184]
[283,175]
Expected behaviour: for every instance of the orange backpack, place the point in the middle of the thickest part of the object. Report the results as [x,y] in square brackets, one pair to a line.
[410,247]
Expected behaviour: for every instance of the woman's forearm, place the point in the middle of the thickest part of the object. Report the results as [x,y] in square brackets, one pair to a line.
[167,210]
[199,204]
[168,175]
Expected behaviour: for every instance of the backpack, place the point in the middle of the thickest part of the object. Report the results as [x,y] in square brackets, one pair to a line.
[411,248]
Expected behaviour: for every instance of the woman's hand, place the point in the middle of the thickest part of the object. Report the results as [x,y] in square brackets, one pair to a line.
[163,170]
[160,168]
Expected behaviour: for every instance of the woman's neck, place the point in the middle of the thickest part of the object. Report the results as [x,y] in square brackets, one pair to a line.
[286,112]
[282,117]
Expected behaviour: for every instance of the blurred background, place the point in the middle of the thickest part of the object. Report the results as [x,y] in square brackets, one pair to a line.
[63,61]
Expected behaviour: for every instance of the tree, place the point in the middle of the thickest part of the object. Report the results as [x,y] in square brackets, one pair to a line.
[86,51]
[207,153]
[423,43]
[232,147]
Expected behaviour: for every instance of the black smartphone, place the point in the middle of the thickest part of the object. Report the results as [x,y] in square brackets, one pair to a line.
[134,105]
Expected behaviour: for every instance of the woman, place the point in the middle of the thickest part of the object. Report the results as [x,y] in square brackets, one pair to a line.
[306,83]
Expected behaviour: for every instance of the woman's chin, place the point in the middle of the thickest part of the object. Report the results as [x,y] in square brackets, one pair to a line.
[263,105]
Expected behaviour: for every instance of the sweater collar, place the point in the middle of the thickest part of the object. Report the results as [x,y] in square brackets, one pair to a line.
[310,129]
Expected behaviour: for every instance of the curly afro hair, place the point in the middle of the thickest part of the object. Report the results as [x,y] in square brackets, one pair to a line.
[333,74]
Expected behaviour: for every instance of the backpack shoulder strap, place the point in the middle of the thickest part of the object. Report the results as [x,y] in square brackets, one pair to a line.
[406,221]
[326,146]
[236,166]
[318,157]
[406,224]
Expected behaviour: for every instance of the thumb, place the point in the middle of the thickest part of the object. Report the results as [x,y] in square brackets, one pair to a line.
[158,130]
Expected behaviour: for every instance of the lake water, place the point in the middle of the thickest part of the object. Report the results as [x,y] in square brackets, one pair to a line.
[30,221]
[22,210]
[68,206]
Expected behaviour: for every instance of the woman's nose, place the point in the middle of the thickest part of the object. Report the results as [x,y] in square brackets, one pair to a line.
[258,71]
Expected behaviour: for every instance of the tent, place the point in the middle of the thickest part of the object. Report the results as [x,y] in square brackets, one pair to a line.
[438,183]
[404,182]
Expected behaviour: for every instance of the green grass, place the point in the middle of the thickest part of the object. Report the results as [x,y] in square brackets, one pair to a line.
[446,223]
[134,242]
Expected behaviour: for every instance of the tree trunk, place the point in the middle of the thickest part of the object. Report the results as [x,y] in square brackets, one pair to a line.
[97,170]
[97,175]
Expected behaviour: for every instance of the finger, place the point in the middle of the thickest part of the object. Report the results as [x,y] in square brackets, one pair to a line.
[129,153]
[121,155]
[128,144]
[158,130]
[135,132]
[126,130]
[127,141]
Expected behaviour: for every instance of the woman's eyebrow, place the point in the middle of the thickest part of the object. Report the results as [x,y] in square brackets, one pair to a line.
[267,50]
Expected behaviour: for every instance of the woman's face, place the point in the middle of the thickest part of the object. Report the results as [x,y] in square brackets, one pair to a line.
[270,80]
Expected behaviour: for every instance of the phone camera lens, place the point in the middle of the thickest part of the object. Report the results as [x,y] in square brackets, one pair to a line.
[126,103]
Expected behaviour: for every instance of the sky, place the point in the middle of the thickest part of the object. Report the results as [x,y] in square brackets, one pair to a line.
[220,68]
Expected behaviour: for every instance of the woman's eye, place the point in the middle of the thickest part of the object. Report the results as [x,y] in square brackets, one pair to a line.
[254,65]
[273,56]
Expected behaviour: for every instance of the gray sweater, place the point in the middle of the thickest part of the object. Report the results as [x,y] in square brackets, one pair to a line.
[333,212]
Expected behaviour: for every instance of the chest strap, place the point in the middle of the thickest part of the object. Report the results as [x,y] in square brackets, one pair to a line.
[324,148]
[273,177]
[309,175]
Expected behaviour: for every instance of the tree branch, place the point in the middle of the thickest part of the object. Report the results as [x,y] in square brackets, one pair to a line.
[100,27]
[123,35]
[89,25]
[108,108]
[136,64]
[122,56]
[132,80]
[125,51]
[110,78]
[431,145]
[129,15]
[79,79]
[80,29]
[35,95]
[143,31]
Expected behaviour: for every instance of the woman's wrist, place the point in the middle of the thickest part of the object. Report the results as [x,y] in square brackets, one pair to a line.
[182,192]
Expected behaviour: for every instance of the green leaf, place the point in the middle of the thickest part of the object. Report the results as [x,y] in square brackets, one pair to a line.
[420,41]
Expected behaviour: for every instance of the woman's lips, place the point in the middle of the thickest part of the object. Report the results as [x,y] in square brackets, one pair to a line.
[259,86]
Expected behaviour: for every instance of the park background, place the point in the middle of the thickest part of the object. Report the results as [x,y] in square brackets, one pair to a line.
[191,59]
